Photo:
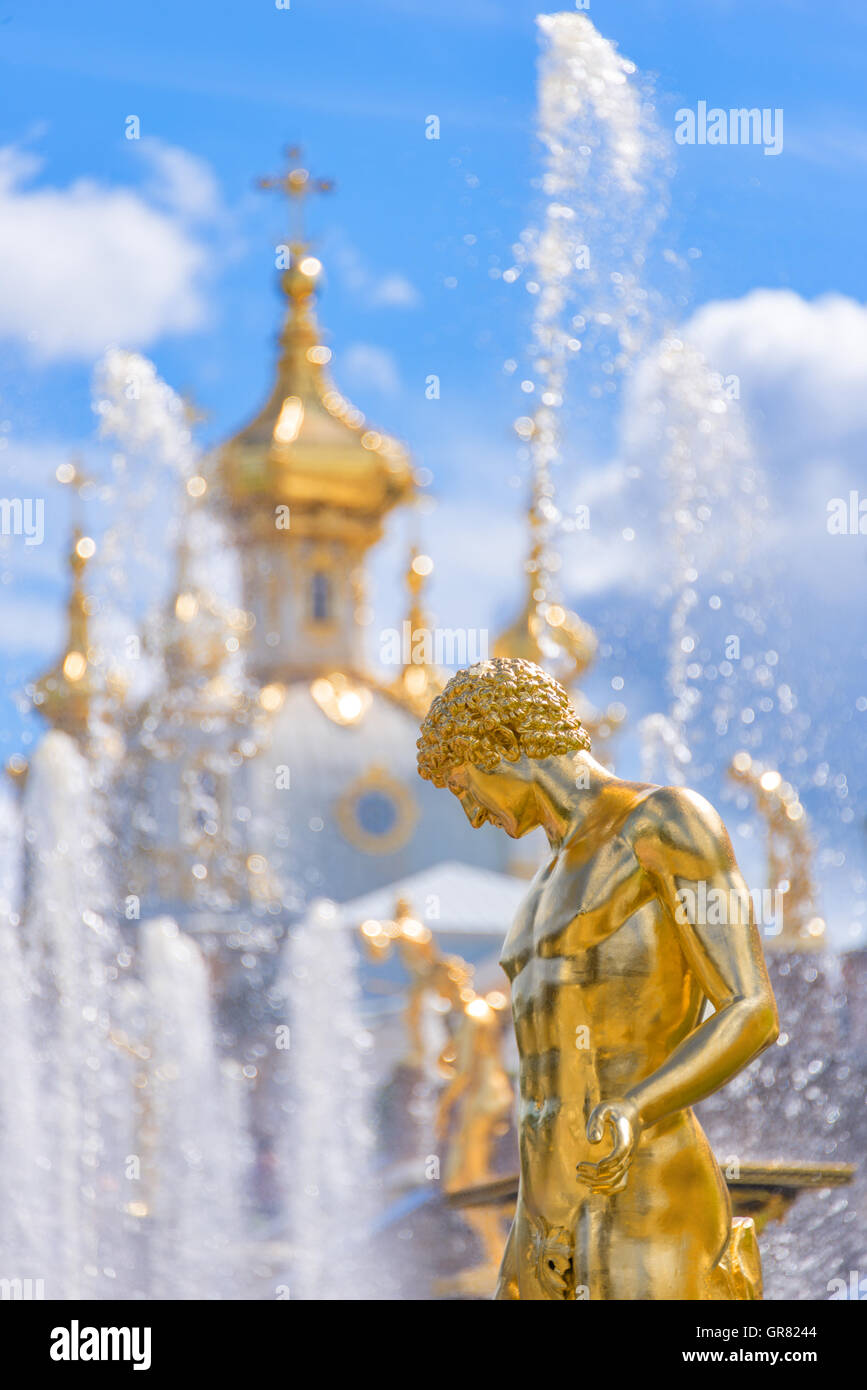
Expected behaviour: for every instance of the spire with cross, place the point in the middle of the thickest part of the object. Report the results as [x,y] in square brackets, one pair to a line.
[298,184]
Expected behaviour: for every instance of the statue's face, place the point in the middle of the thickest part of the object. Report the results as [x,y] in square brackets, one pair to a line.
[505,797]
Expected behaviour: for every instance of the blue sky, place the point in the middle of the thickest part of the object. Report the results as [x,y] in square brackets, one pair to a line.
[409,240]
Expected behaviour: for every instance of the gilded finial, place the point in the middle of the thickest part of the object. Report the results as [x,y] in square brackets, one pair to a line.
[298,184]
[17,770]
[202,633]
[194,414]
[64,694]
[420,680]
[310,454]
[545,632]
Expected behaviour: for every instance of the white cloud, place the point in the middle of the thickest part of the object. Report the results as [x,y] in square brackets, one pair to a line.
[389,291]
[86,266]
[181,181]
[367,367]
[802,365]
[393,292]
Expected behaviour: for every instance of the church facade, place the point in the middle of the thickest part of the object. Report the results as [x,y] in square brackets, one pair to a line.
[272,766]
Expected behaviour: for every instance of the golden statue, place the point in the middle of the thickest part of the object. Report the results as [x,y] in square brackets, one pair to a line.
[479,1090]
[478,1100]
[431,973]
[789,853]
[611,973]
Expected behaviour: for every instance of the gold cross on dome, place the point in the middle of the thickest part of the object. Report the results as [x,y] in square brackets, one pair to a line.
[298,184]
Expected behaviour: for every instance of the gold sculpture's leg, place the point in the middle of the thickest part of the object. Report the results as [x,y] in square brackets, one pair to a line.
[507,1282]
[740,1268]
[668,1235]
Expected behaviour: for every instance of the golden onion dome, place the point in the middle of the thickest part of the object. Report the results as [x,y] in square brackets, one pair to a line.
[64,695]
[309,448]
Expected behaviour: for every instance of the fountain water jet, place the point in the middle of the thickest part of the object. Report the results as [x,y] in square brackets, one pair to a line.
[195,1154]
[328,1144]
[23,1250]
[80,1082]
[680,413]
[604,195]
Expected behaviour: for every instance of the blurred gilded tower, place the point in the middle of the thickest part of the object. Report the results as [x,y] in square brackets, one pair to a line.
[308,485]
[296,779]
[258,784]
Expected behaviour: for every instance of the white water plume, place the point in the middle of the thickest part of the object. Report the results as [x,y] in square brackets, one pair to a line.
[665,755]
[23,1249]
[329,1141]
[156,475]
[725,675]
[712,512]
[193,1141]
[122,1137]
[604,194]
[137,407]
[81,1082]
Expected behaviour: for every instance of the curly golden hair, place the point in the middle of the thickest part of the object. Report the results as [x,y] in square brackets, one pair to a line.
[497,709]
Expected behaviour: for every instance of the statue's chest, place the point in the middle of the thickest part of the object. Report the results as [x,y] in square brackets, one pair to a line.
[581,900]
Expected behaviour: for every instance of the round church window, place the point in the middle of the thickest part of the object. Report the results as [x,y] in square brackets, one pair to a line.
[376,813]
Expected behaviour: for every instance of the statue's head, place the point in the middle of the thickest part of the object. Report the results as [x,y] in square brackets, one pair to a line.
[482,735]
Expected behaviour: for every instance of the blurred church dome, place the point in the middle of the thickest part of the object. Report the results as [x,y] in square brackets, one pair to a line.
[309,448]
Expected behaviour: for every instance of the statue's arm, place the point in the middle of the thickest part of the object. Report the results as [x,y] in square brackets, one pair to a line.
[681,843]
[456,1087]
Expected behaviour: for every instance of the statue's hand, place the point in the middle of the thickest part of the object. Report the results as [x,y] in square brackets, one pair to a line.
[610,1173]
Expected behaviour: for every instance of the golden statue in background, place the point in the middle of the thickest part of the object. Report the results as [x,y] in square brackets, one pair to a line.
[611,969]
[473,1113]
[478,1089]
[449,978]
[789,853]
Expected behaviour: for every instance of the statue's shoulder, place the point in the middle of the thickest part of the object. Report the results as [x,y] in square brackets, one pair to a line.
[677,818]
[680,803]
[617,808]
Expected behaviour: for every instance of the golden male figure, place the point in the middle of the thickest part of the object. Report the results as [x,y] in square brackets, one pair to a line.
[611,973]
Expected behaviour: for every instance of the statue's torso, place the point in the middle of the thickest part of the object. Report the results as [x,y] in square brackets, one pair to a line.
[601,995]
